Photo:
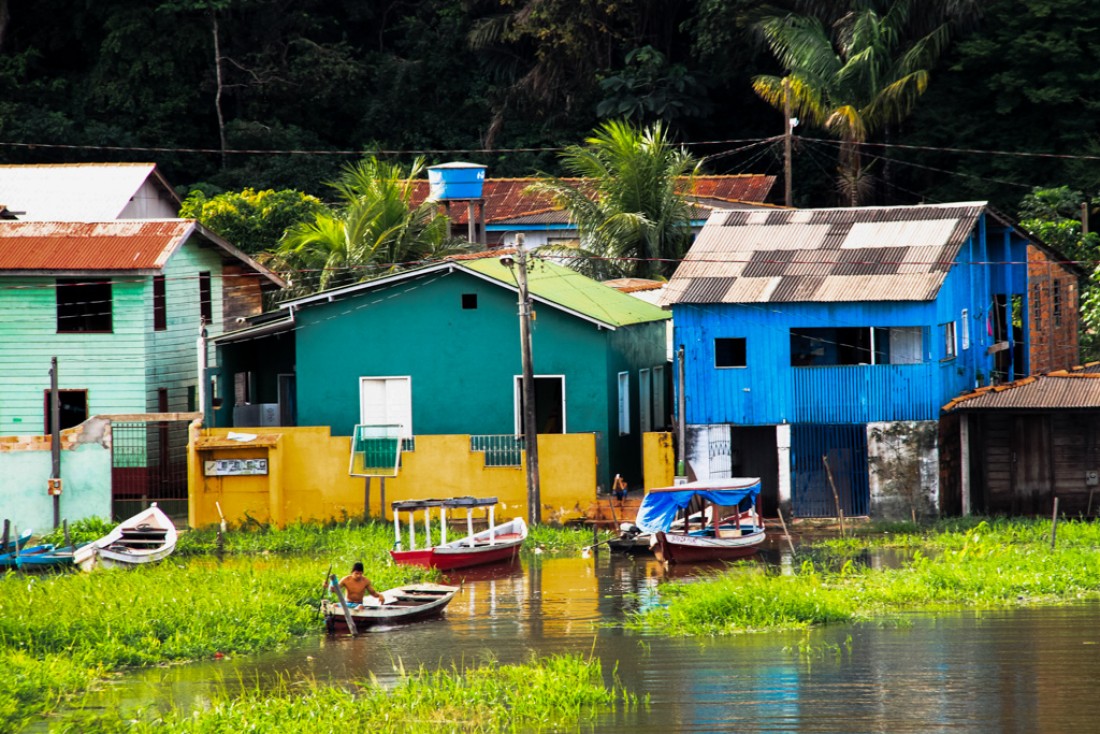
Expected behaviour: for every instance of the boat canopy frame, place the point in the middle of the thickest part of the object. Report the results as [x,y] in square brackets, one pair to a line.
[411,506]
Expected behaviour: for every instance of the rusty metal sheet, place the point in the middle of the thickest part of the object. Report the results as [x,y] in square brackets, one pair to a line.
[128,244]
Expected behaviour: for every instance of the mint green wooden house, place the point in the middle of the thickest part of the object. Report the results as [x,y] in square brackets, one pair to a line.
[436,350]
[122,306]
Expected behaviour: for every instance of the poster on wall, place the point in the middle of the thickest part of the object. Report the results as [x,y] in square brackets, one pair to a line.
[234,467]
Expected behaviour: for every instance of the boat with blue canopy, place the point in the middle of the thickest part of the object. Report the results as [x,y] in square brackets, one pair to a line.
[710,520]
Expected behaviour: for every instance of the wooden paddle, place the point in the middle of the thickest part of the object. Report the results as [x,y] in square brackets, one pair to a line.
[343,605]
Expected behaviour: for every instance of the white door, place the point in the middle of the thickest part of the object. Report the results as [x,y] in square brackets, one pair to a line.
[386,401]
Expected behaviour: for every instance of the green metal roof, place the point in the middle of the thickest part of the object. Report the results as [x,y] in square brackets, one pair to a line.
[571,290]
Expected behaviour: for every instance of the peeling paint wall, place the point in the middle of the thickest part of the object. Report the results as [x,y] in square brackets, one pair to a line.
[26,463]
[903,459]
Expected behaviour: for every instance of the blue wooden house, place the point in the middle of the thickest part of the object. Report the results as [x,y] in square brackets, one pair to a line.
[824,342]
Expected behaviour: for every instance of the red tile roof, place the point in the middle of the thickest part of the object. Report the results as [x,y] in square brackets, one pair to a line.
[505,198]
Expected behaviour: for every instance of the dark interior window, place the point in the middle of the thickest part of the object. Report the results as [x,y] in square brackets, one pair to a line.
[73,411]
[729,352]
[205,302]
[160,304]
[469,301]
[83,305]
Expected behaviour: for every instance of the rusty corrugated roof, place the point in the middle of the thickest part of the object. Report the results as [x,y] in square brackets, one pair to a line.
[125,244]
[1064,389]
[505,198]
[121,245]
[862,254]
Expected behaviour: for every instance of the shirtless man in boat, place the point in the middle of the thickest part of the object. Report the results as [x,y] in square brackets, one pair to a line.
[356,584]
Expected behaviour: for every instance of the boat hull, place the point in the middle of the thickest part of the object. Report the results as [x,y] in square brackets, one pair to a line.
[147,537]
[448,559]
[679,548]
[413,603]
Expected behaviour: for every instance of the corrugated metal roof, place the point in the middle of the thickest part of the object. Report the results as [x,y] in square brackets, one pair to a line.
[126,244]
[80,192]
[862,254]
[571,290]
[505,199]
[1062,390]
[121,245]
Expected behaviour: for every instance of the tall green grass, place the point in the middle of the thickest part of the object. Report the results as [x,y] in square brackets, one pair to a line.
[994,564]
[553,693]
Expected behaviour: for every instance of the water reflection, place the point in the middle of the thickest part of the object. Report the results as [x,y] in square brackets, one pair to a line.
[1020,670]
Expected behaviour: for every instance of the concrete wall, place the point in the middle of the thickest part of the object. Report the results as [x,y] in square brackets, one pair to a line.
[25,465]
[308,477]
[903,464]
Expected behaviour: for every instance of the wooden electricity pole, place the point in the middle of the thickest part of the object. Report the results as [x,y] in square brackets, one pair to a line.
[530,430]
[788,129]
[55,442]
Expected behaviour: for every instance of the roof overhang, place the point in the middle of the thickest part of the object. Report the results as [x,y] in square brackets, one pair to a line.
[258,331]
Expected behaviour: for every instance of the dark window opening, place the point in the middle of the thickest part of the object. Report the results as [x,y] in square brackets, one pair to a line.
[866,345]
[206,305]
[729,352]
[83,306]
[549,406]
[160,304]
[1056,303]
[1037,307]
[469,301]
[73,411]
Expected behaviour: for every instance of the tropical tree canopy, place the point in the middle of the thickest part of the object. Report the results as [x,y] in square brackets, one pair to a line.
[254,221]
[628,204]
[853,78]
[374,230]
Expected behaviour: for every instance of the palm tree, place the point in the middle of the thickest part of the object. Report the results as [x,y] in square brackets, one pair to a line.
[626,200]
[376,230]
[854,78]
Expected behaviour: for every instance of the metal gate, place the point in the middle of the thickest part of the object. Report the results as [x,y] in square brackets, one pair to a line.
[845,449]
[149,464]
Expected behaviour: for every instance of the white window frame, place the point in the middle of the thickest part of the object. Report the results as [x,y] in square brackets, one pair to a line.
[964,317]
[624,403]
[402,417]
[950,341]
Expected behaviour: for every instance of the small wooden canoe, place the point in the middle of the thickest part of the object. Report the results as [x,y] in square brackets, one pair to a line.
[403,604]
[147,537]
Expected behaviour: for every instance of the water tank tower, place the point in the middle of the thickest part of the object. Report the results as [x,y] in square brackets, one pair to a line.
[460,182]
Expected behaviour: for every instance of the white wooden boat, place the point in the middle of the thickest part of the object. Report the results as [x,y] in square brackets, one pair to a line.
[411,603]
[498,543]
[147,537]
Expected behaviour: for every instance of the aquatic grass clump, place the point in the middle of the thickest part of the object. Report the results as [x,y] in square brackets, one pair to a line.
[365,538]
[992,565]
[33,685]
[558,692]
[562,541]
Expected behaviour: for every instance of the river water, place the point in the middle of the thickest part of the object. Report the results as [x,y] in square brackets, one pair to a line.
[1018,670]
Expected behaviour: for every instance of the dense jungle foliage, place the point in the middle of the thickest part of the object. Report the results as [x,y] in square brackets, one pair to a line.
[508,83]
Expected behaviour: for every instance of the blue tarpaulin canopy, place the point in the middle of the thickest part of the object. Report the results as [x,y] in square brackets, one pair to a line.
[660,506]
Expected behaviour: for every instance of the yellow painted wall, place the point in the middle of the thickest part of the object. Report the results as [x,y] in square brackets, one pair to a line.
[308,477]
[658,460]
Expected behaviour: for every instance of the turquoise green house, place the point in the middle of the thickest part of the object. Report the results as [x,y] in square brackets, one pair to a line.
[436,350]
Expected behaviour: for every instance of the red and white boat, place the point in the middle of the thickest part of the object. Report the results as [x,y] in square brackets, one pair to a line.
[496,544]
[728,526]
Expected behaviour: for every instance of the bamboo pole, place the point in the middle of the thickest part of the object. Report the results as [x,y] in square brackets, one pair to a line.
[786,534]
[1054,524]
[836,497]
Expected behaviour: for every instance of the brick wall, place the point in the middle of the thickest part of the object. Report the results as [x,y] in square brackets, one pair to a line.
[1052,312]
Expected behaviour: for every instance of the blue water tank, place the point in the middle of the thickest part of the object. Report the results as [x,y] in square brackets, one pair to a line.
[449,181]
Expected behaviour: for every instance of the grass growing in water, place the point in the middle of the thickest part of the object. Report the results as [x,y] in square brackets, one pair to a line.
[995,564]
[556,692]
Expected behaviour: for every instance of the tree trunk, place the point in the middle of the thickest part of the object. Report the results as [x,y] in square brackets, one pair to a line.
[218,76]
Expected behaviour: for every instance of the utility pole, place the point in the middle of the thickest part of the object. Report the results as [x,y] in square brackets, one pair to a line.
[530,430]
[681,465]
[788,130]
[55,444]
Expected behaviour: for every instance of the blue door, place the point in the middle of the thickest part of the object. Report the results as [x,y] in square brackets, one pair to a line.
[844,448]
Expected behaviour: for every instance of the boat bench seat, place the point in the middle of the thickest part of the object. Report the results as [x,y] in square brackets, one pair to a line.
[138,541]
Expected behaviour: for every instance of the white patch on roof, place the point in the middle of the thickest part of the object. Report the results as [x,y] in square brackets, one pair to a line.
[82,192]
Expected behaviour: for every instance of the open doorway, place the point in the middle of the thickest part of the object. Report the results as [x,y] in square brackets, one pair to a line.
[73,409]
[549,404]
